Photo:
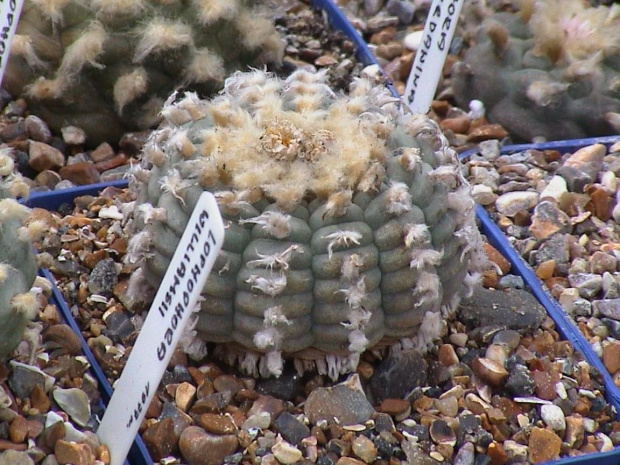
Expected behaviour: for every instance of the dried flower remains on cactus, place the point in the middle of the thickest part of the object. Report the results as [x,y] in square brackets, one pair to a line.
[348,224]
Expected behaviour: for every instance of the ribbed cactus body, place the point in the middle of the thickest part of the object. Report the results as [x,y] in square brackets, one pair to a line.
[348,224]
[550,71]
[18,269]
[108,65]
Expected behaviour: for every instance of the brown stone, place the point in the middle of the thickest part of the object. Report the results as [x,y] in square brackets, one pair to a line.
[394,407]
[50,435]
[81,173]
[201,448]
[47,178]
[496,257]
[601,203]
[497,454]
[73,453]
[545,269]
[349,461]
[611,357]
[447,355]
[160,438]
[185,395]
[155,408]
[5,444]
[544,445]
[458,125]
[326,60]
[39,399]
[489,371]
[217,424]
[42,156]
[486,132]
[103,152]
[119,160]
[545,385]
[65,338]
[440,107]
[18,429]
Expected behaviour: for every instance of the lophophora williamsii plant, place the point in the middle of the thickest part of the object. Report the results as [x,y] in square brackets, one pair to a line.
[19,284]
[108,65]
[349,225]
[549,71]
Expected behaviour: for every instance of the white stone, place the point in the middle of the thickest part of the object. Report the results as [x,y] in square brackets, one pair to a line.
[555,189]
[483,194]
[553,416]
[609,181]
[413,40]
[568,298]
[286,453]
[511,203]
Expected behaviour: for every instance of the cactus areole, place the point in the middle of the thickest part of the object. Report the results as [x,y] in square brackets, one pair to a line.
[348,224]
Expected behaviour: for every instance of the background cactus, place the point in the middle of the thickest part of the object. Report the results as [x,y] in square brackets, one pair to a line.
[18,269]
[108,65]
[549,71]
[348,224]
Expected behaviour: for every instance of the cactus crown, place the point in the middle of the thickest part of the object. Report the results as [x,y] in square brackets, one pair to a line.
[285,144]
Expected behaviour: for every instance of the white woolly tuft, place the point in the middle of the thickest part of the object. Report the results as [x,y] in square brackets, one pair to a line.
[150,213]
[174,184]
[6,161]
[272,286]
[84,51]
[421,258]
[357,341]
[448,174]
[277,260]
[179,142]
[472,279]
[410,159]
[432,327]
[351,265]
[129,87]
[343,238]
[355,294]
[271,364]
[275,316]
[337,203]
[26,305]
[248,363]
[267,338]
[160,35]
[417,234]
[398,198]
[138,248]
[273,222]
[428,285]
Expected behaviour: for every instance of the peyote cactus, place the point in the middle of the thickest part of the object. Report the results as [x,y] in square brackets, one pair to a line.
[18,269]
[550,71]
[348,224]
[108,65]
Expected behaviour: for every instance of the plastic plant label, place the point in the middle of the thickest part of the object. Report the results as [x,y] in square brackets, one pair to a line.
[431,56]
[169,314]
[9,16]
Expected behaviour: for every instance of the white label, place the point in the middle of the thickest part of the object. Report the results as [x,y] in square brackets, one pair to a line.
[9,15]
[177,295]
[431,56]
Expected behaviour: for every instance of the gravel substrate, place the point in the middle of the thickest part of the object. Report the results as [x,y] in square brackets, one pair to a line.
[500,387]
[560,212]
